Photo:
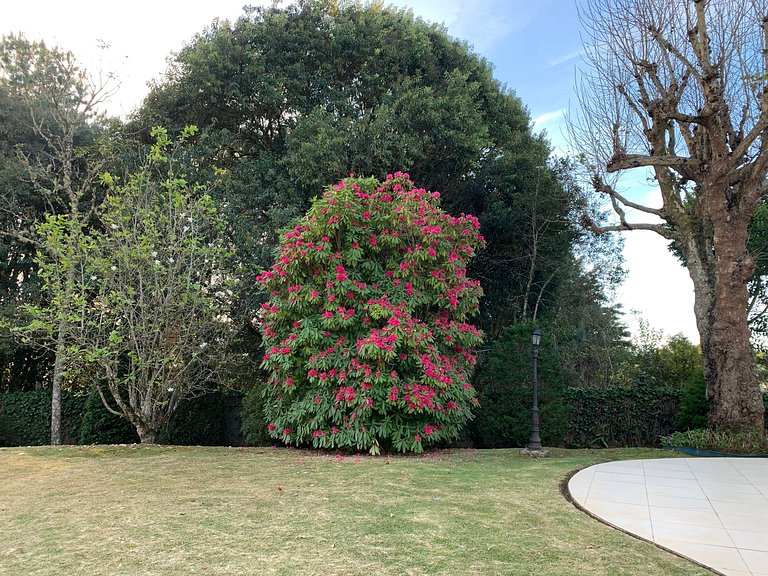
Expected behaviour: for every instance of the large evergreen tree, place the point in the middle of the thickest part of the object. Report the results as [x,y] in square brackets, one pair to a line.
[292,98]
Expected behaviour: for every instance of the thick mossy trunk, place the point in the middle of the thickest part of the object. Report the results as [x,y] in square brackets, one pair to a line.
[146,435]
[720,270]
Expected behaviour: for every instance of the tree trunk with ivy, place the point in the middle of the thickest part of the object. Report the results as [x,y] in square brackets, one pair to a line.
[679,89]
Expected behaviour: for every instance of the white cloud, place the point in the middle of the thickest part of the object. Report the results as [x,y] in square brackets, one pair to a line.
[482,23]
[548,117]
[566,58]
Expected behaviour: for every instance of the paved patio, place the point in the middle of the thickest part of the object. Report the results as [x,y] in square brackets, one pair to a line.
[711,510]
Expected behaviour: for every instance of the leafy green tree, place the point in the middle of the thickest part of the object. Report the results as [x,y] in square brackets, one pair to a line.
[586,332]
[148,306]
[758,285]
[60,103]
[672,364]
[366,338]
[292,98]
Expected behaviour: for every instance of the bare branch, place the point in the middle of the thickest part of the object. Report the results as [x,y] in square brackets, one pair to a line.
[659,229]
[628,161]
[618,200]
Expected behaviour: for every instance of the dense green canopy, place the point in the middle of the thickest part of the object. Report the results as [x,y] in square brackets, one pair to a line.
[292,98]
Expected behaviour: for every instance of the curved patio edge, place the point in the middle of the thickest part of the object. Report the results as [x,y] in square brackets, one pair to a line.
[708,510]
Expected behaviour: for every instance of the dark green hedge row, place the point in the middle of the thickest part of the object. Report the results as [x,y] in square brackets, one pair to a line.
[25,420]
[613,417]
[571,417]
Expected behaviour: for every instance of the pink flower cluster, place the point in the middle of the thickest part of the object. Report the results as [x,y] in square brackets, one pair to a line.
[373,324]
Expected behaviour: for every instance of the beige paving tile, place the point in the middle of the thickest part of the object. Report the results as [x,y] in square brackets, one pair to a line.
[758,500]
[613,511]
[690,491]
[749,540]
[635,526]
[618,492]
[682,473]
[756,561]
[741,508]
[688,517]
[661,501]
[672,532]
[667,481]
[722,558]
[749,522]
[623,466]
[712,486]
[601,476]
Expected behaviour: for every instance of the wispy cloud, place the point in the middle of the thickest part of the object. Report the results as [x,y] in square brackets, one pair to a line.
[548,117]
[482,23]
[565,58]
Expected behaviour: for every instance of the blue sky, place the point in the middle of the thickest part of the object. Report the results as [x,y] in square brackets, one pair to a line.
[533,45]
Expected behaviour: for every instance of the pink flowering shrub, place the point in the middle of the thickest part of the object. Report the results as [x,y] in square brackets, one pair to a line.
[365,332]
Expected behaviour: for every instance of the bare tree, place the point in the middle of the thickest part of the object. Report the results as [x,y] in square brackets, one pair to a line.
[62,100]
[680,88]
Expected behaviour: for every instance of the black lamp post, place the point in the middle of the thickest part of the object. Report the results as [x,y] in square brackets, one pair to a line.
[534,443]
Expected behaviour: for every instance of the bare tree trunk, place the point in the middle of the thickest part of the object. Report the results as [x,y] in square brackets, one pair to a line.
[147,435]
[721,317]
[58,372]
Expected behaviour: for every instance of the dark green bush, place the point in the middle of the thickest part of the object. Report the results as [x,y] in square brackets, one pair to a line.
[3,427]
[693,403]
[102,427]
[504,387]
[254,423]
[27,418]
[626,416]
[765,403]
[196,422]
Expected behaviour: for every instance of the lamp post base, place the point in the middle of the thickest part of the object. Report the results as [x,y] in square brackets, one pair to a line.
[535,453]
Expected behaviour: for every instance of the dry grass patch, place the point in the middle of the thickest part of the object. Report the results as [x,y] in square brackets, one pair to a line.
[171,511]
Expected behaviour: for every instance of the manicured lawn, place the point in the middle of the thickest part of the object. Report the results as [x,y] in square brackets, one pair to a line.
[181,511]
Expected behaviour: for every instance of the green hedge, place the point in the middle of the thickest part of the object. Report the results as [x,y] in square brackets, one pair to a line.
[694,406]
[570,417]
[25,418]
[254,423]
[100,426]
[210,420]
[626,416]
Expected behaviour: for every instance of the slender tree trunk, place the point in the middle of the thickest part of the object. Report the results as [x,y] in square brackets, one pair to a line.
[58,372]
[59,360]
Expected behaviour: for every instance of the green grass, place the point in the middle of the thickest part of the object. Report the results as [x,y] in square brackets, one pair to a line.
[170,511]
